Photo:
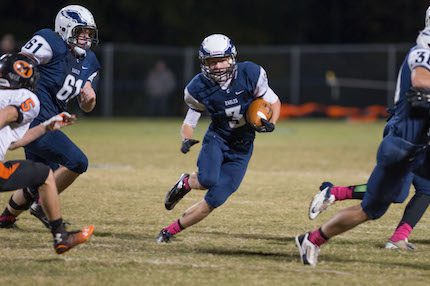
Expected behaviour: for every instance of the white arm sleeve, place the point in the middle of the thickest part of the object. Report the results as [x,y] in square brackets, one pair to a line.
[192,117]
[39,48]
[270,96]
[263,89]
[262,84]
[91,77]
[419,58]
[192,102]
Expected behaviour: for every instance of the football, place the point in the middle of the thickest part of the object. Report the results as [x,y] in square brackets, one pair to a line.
[258,109]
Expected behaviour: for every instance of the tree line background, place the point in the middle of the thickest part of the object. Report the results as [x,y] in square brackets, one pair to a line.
[252,22]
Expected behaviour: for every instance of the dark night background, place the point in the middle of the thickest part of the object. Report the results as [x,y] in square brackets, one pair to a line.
[346,37]
[250,22]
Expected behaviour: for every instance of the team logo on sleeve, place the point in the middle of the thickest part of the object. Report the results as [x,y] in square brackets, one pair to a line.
[23,69]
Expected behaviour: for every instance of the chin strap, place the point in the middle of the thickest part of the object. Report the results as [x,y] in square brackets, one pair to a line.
[79,52]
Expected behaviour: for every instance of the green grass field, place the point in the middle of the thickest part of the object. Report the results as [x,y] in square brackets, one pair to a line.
[248,241]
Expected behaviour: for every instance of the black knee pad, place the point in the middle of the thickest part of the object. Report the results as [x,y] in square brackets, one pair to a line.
[17,207]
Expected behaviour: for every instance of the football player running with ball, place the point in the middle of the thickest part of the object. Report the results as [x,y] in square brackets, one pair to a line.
[403,151]
[225,89]
[68,70]
[18,107]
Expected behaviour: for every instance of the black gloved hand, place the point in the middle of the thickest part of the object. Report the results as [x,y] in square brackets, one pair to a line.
[266,126]
[419,97]
[187,144]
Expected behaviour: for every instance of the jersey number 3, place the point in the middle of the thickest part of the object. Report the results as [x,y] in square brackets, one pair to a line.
[235,118]
[70,89]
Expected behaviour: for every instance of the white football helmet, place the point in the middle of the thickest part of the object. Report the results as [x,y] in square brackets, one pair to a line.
[217,46]
[427,20]
[423,39]
[70,22]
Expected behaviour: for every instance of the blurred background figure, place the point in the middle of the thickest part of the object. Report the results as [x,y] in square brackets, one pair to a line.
[7,44]
[159,84]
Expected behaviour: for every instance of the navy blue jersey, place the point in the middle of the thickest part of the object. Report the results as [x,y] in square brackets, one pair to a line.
[410,124]
[62,75]
[227,105]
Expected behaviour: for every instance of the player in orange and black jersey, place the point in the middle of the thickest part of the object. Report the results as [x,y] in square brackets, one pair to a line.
[18,107]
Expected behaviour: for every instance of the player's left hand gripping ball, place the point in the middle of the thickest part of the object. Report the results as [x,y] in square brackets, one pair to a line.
[258,115]
[187,144]
[266,126]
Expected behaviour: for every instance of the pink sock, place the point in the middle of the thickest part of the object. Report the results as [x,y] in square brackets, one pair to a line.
[186,184]
[341,193]
[316,238]
[174,227]
[402,232]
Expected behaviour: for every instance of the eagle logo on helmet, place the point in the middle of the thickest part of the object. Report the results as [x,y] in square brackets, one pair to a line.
[73,20]
[74,16]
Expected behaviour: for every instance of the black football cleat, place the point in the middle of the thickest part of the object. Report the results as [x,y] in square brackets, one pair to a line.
[164,236]
[176,193]
[8,221]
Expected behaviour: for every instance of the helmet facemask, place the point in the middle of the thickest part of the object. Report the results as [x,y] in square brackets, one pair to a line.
[219,75]
[79,34]
[81,39]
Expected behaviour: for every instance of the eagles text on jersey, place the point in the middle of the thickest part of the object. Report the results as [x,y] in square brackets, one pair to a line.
[227,106]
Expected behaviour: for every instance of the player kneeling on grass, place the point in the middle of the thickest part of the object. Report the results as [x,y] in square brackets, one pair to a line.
[403,151]
[18,107]
[225,89]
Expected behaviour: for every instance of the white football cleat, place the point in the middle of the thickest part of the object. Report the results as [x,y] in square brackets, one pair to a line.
[321,201]
[308,251]
[400,245]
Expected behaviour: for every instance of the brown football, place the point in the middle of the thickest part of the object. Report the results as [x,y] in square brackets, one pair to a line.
[258,109]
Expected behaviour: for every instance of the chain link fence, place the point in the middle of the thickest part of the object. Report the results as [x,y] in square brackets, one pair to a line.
[133,84]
